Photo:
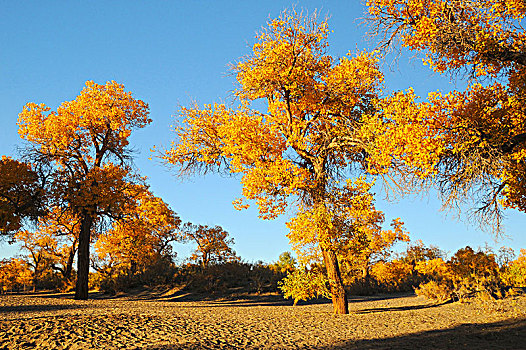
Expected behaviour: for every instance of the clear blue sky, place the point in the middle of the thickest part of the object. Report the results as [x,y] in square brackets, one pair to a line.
[170,53]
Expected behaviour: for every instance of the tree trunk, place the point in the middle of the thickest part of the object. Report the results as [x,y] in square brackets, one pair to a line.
[81,292]
[339,297]
[68,269]
[365,272]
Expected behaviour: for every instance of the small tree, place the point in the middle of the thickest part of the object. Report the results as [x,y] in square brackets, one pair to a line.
[37,246]
[286,263]
[57,235]
[418,252]
[141,238]
[15,274]
[304,285]
[213,244]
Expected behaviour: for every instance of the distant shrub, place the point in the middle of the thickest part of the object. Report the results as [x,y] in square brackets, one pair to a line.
[233,277]
[112,279]
[468,274]
[514,274]
[439,291]
[393,276]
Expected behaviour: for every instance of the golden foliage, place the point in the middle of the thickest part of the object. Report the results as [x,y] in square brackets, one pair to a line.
[515,273]
[213,244]
[310,129]
[437,269]
[391,274]
[82,131]
[21,194]
[467,274]
[142,236]
[470,143]
[80,138]
[453,33]
[439,291]
[14,274]
[304,285]
[349,224]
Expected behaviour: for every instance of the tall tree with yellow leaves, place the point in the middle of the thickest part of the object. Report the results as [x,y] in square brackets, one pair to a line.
[309,137]
[472,143]
[86,141]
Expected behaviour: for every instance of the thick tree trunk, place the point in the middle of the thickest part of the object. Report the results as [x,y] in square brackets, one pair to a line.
[339,297]
[81,292]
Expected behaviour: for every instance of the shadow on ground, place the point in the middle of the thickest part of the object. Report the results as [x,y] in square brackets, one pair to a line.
[241,300]
[508,334]
[39,308]
[397,308]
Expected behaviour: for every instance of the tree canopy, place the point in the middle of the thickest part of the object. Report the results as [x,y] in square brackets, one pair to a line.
[86,143]
[475,139]
[313,133]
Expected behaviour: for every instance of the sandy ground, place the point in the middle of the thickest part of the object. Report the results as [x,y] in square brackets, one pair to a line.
[389,322]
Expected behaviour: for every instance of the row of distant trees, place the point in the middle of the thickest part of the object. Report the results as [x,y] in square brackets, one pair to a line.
[330,130]
[120,259]
[427,270]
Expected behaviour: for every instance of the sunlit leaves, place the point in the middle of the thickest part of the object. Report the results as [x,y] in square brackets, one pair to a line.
[86,143]
[91,127]
[484,34]
[313,133]
[470,144]
[213,244]
[142,236]
[15,274]
[304,285]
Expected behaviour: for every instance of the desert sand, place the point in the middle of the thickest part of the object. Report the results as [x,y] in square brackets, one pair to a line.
[54,321]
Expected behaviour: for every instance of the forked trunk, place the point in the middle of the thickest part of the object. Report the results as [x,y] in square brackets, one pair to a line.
[365,272]
[81,291]
[339,297]
[68,269]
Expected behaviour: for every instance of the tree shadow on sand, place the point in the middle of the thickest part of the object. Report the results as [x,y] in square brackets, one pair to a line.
[39,308]
[397,308]
[244,300]
[509,334]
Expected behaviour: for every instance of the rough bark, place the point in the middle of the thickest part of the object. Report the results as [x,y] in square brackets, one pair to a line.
[81,292]
[339,297]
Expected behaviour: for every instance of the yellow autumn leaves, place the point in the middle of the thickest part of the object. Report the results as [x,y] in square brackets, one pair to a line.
[475,139]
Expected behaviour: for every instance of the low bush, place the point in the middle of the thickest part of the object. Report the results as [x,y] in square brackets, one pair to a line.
[439,291]
[305,285]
